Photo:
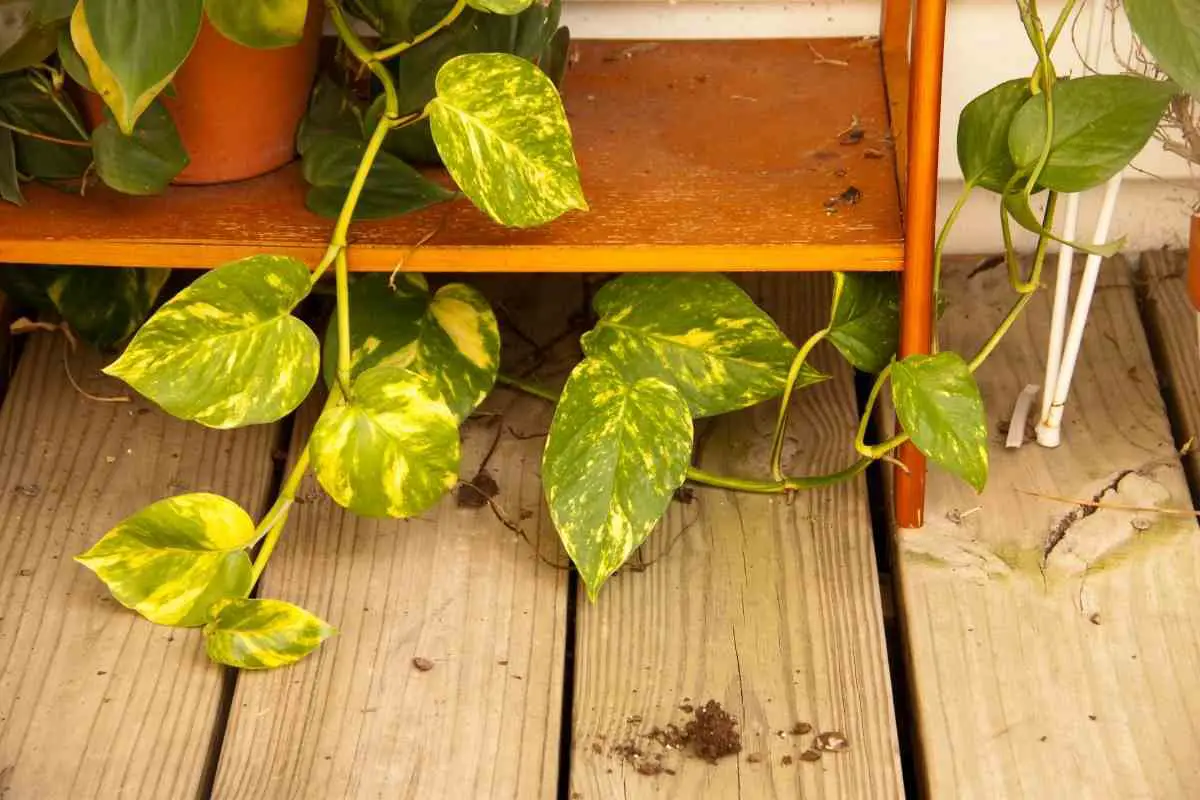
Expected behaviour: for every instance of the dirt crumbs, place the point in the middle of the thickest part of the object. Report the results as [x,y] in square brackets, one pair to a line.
[422,664]
[713,733]
[709,734]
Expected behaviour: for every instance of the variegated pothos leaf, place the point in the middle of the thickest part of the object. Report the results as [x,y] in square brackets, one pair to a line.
[173,559]
[501,131]
[226,351]
[864,323]
[392,450]
[505,7]
[259,23]
[616,452]
[450,337]
[699,332]
[262,634]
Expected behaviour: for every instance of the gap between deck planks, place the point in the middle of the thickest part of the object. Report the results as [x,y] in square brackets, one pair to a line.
[769,606]
[95,702]
[1072,674]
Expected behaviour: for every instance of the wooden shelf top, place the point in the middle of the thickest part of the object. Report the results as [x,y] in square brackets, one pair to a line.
[718,155]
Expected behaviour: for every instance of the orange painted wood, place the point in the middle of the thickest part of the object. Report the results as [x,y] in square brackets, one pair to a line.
[695,156]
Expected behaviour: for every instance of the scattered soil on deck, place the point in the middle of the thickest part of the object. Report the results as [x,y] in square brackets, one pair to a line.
[709,734]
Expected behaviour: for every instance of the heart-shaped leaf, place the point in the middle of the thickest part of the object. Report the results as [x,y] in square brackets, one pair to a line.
[939,406]
[333,112]
[616,453]
[28,101]
[865,322]
[450,337]
[10,185]
[226,351]
[698,332]
[262,634]
[260,23]
[392,187]
[501,130]
[106,306]
[504,7]
[554,58]
[1016,204]
[983,125]
[25,37]
[392,450]
[1100,123]
[132,49]
[1170,30]
[173,559]
[536,26]
[72,62]
[144,163]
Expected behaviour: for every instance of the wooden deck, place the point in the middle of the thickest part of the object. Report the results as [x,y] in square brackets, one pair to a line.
[1032,650]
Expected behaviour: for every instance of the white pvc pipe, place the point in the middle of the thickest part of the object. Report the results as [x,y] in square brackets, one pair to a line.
[1049,431]
[1062,298]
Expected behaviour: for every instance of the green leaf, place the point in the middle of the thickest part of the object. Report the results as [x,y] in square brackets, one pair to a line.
[938,403]
[616,453]
[144,163]
[536,26]
[505,7]
[72,62]
[173,559]
[333,112]
[29,102]
[983,126]
[132,49]
[25,37]
[698,332]
[501,130]
[865,322]
[1017,206]
[390,451]
[1170,30]
[10,185]
[226,351]
[106,306]
[397,20]
[262,634]
[450,337]
[50,11]
[1100,123]
[259,23]
[554,58]
[392,187]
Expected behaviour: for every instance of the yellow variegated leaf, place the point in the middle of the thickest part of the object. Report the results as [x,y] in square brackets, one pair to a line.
[390,451]
[451,336]
[262,634]
[616,453]
[173,559]
[226,351]
[259,23]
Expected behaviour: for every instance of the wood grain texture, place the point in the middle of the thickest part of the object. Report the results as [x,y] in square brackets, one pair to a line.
[1174,331]
[769,606]
[1054,654]
[96,702]
[356,719]
[695,156]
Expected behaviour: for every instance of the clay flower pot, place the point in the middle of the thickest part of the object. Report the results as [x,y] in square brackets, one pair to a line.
[236,107]
[1194,262]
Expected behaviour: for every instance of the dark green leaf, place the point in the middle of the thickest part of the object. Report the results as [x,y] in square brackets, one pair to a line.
[555,56]
[144,163]
[865,323]
[10,185]
[1170,30]
[29,102]
[506,7]
[259,23]
[25,37]
[72,62]
[450,337]
[939,406]
[132,49]
[1100,123]
[105,306]
[983,152]
[49,11]
[698,332]
[501,130]
[535,27]
[616,453]
[332,113]
[392,187]
[249,633]
[400,20]
[1017,206]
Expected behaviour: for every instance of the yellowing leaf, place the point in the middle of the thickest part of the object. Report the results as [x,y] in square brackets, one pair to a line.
[259,23]
[390,451]
[505,7]
[262,634]
[226,351]
[175,558]
[616,453]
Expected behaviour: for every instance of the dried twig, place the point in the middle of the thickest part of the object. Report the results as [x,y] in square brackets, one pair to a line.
[507,522]
[1173,512]
[820,59]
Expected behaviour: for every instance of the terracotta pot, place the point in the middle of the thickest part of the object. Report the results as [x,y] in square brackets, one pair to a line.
[237,108]
[1194,262]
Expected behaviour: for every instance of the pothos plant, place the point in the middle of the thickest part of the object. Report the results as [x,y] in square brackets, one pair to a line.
[412,364]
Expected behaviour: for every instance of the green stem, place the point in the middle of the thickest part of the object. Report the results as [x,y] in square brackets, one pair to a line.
[1035,275]
[527,387]
[785,401]
[944,235]
[860,437]
[342,279]
[42,136]
[400,47]
[1059,24]
[275,520]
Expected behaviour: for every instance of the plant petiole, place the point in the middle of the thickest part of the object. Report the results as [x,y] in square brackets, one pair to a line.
[786,400]
[274,521]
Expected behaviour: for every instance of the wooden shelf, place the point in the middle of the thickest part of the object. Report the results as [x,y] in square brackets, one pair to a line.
[695,156]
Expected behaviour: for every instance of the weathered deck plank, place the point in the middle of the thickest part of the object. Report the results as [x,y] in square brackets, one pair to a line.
[1054,654]
[455,586]
[1175,333]
[95,701]
[769,606]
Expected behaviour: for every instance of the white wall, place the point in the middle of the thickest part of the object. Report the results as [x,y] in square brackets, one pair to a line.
[986,45]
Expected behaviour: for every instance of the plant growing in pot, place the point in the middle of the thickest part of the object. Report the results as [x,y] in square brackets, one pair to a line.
[410,364]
